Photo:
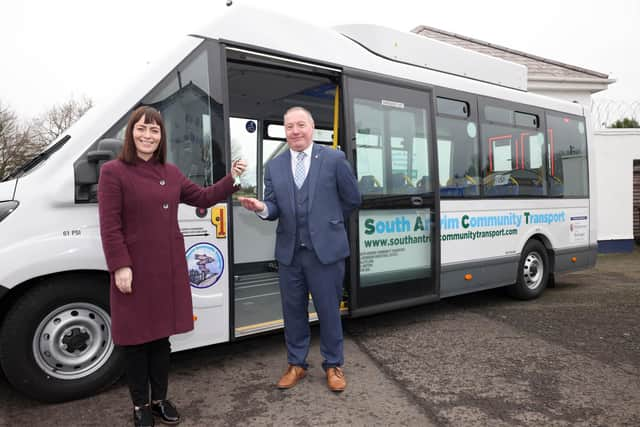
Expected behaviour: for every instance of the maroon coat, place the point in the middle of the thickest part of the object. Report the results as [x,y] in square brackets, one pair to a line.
[138,206]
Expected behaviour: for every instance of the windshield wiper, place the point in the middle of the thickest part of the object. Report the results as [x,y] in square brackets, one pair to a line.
[37,159]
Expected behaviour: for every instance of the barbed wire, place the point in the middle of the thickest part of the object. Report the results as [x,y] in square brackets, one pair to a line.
[605,112]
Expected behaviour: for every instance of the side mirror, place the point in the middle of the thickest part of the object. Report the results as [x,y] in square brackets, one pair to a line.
[87,169]
[99,156]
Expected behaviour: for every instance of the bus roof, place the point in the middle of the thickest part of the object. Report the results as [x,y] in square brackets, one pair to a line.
[378,50]
[436,55]
[268,32]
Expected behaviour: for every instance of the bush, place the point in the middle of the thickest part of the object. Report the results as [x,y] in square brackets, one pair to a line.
[625,123]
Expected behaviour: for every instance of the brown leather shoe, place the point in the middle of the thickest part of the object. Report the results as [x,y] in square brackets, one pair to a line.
[292,376]
[335,379]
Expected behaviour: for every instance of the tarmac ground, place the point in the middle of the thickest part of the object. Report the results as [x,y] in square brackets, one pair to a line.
[568,358]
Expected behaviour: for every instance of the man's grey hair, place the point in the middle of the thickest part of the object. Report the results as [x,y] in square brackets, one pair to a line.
[304,110]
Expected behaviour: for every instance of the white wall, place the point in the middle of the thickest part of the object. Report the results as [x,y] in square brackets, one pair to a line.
[615,150]
[582,97]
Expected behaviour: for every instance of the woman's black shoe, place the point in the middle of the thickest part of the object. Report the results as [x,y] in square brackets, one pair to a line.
[165,410]
[142,417]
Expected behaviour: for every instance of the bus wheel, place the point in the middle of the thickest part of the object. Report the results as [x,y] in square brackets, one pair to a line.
[533,272]
[55,342]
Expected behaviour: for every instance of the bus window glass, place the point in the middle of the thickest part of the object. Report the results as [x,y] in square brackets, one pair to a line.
[444,160]
[270,150]
[391,147]
[501,149]
[184,102]
[452,107]
[420,170]
[188,111]
[512,165]
[369,163]
[526,120]
[399,156]
[276,131]
[567,162]
[457,157]
[244,143]
[323,136]
[536,150]
[498,115]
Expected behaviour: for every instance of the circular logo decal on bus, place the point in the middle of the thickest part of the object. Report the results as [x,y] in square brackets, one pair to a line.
[250,126]
[205,263]
[471,130]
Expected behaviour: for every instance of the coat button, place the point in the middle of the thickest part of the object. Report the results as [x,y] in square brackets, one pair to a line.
[162,182]
[165,206]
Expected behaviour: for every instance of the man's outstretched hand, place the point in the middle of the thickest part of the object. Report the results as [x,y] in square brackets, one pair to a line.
[251,204]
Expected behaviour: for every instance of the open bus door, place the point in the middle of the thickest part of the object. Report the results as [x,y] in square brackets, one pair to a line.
[261,87]
[395,236]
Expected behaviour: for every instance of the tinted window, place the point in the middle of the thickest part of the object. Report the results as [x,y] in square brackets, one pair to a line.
[567,160]
[526,120]
[391,142]
[190,115]
[498,114]
[452,107]
[513,163]
[458,161]
[244,145]
[322,136]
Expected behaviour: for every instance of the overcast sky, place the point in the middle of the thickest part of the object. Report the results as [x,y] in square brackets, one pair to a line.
[52,50]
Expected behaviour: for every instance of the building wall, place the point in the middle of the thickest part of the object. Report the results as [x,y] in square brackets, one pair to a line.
[582,97]
[615,150]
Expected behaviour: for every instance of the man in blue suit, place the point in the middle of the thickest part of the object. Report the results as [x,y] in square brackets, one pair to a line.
[311,190]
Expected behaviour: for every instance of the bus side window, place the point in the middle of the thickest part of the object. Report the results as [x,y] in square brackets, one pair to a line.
[567,159]
[514,151]
[189,116]
[392,146]
[193,121]
[370,164]
[457,158]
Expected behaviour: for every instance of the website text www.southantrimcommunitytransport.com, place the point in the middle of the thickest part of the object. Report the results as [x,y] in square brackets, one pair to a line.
[416,240]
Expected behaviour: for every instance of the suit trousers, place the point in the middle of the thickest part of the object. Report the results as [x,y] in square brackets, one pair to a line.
[147,365]
[306,274]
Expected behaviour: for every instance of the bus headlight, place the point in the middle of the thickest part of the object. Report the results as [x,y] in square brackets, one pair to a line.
[7,207]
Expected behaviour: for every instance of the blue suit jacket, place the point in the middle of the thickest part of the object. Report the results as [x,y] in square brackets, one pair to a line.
[333,194]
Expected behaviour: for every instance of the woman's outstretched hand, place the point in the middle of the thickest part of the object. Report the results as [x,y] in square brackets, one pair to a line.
[238,167]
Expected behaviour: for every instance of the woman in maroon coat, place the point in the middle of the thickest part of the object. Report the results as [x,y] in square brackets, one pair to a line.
[138,195]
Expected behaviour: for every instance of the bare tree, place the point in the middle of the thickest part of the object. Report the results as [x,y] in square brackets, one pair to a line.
[52,123]
[16,145]
[20,143]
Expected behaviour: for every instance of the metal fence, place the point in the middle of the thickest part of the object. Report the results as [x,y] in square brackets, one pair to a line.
[604,112]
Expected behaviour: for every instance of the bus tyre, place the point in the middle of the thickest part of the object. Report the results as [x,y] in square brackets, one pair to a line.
[55,341]
[533,272]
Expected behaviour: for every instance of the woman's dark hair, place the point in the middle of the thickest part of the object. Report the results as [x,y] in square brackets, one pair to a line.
[151,115]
